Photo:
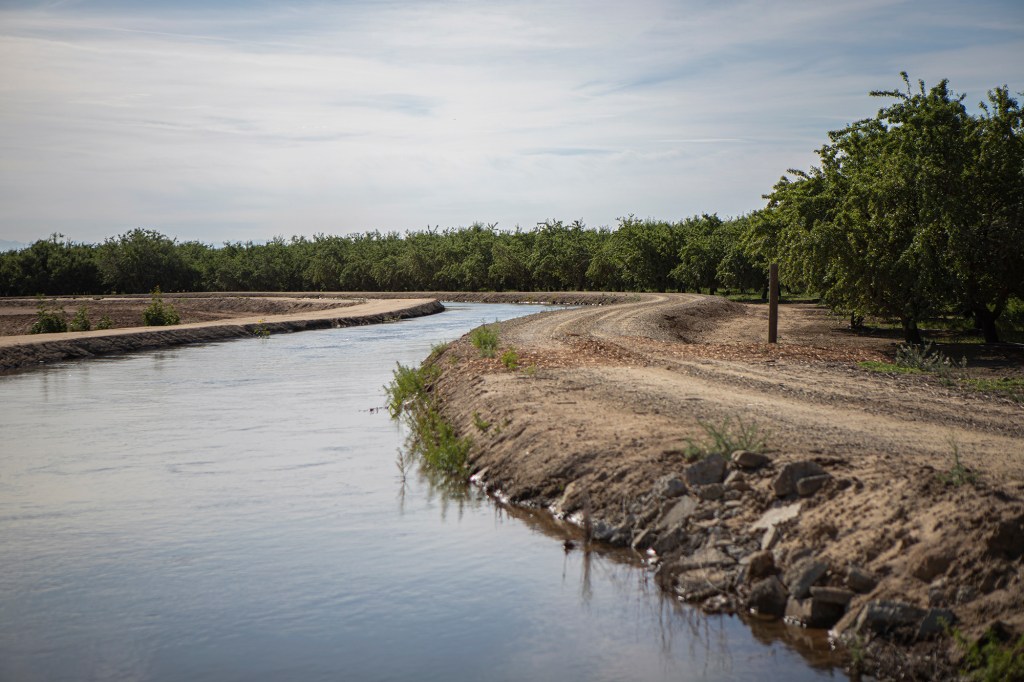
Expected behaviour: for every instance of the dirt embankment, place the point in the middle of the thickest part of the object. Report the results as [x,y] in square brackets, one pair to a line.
[205,318]
[858,520]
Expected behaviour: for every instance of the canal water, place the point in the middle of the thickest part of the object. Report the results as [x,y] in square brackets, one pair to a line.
[235,511]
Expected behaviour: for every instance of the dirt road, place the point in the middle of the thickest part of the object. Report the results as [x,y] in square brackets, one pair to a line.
[595,421]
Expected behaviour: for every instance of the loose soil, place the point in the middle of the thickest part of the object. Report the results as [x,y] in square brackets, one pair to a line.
[605,400]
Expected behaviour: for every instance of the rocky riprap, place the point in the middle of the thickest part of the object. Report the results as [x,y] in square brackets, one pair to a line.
[711,532]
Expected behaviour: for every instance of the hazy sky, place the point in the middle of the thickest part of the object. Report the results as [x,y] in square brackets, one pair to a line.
[243,120]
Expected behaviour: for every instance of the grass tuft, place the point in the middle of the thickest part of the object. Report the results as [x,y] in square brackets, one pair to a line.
[485,339]
[726,438]
[958,474]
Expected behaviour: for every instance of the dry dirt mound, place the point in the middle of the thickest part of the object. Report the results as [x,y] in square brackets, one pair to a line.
[597,420]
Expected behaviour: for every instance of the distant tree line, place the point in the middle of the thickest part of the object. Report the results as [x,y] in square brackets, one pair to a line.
[912,213]
[699,253]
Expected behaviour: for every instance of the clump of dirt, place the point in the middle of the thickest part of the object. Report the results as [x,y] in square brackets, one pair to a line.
[910,515]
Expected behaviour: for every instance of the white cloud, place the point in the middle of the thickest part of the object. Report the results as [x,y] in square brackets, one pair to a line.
[218,124]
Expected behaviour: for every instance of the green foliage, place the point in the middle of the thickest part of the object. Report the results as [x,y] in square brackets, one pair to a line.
[140,260]
[409,384]
[431,438]
[726,438]
[485,339]
[1010,387]
[990,660]
[510,359]
[80,322]
[49,266]
[261,331]
[158,313]
[480,423]
[909,212]
[925,358]
[50,319]
[105,323]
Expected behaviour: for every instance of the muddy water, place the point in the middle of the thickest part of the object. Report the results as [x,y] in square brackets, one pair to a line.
[235,512]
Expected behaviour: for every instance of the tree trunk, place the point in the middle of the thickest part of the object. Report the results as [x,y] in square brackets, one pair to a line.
[985,320]
[911,334]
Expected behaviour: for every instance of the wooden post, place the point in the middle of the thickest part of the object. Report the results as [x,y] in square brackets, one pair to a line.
[773,303]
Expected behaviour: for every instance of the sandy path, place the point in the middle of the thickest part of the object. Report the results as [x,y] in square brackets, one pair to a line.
[813,407]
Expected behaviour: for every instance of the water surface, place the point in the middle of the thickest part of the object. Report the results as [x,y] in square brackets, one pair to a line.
[234,511]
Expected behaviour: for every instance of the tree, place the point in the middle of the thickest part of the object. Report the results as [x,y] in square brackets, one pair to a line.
[874,227]
[702,251]
[985,249]
[141,260]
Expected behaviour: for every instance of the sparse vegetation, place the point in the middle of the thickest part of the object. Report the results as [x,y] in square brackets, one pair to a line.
[1012,388]
[510,359]
[958,474]
[485,339]
[431,438]
[926,358]
[50,319]
[408,384]
[918,359]
[80,322]
[261,331]
[725,438]
[480,423]
[991,660]
[160,314]
[105,323]
[887,367]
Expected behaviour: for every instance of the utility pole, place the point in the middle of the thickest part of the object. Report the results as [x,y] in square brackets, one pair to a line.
[773,303]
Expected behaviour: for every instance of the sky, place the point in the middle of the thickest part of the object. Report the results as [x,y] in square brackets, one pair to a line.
[236,121]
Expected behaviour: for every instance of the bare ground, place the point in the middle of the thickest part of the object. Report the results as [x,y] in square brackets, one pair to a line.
[606,399]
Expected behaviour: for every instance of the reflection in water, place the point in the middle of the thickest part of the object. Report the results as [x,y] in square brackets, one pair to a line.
[229,512]
[704,637]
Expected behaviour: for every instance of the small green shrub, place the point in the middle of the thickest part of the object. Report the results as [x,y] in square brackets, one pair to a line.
[485,339]
[158,313]
[726,438]
[408,384]
[261,331]
[480,423]
[431,437]
[434,439]
[990,660]
[105,323]
[80,322]
[958,474]
[510,359]
[50,319]
[927,359]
